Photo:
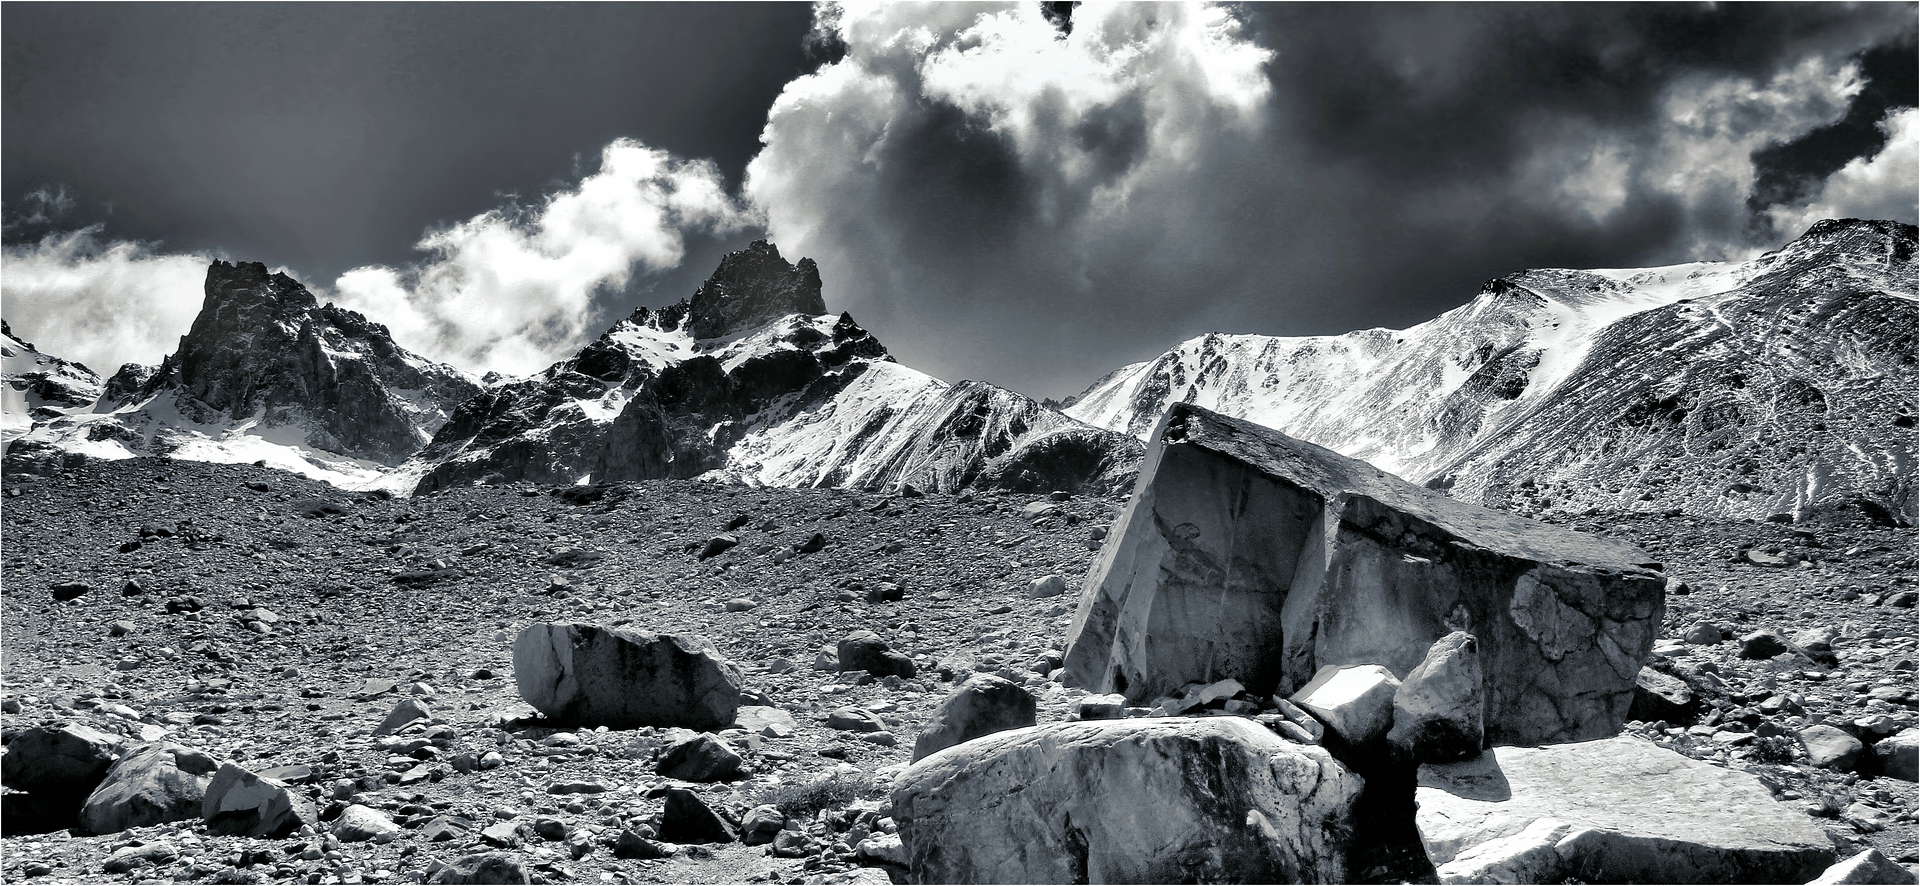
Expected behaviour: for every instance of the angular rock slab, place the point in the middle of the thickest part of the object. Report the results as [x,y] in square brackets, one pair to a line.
[1245,553]
[1160,800]
[154,783]
[56,768]
[1633,812]
[623,679]
[242,804]
[983,705]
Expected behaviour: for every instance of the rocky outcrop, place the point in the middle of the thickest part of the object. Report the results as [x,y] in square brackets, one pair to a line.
[42,381]
[1250,555]
[1216,800]
[751,287]
[1617,810]
[1783,385]
[590,675]
[154,783]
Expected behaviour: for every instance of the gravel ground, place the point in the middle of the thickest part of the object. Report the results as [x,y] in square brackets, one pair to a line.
[318,609]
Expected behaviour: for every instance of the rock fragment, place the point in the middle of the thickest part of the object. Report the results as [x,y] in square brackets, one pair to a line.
[1439,711]
[865,651]
[700,758]
[1356,703]
[54,769]
[242,804]
[490,867]
[687,819]
[152,784]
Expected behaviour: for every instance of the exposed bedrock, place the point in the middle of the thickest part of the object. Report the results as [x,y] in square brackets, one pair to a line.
[1248,554]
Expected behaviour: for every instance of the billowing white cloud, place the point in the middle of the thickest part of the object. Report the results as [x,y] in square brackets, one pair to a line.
[1885,185]
[512,289]
[102,303]
[964,159]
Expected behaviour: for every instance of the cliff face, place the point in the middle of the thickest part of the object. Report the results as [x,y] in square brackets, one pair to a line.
[1781,385]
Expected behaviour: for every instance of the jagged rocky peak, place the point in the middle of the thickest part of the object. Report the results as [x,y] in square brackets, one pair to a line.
[751,287]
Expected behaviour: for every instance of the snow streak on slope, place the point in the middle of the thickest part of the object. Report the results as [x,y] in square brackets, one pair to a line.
[1543,379]
[36,385]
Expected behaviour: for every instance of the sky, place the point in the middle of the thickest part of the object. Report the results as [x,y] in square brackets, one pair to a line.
[1023,194]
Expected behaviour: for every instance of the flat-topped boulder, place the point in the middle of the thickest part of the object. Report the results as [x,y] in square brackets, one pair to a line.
[1151,800]
[1614,810]
[1247,554]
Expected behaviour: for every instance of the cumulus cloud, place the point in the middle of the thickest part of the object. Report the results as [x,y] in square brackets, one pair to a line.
[513,289]
[1002,200]
[100,302]
[1882,186]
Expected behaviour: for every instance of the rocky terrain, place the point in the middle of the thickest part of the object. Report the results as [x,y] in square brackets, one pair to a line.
[1784,385]
[275,623]
[39,387]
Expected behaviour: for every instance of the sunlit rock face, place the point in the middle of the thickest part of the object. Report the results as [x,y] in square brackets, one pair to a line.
[1250,555]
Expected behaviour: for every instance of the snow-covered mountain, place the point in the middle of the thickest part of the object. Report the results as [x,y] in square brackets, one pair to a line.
[1781,385]
[266,374]
[753,381]
[37,386]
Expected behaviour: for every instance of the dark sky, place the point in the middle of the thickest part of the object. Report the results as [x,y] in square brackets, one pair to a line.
[997,194]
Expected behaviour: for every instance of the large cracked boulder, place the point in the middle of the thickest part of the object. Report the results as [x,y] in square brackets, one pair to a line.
[154,783]
[1161,800]
[590,675]
[1615,810]
[1247,554]
[55,768]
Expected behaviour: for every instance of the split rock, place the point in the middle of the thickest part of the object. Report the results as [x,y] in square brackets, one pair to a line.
[154,783]
[983,705]
[1246,553]
[1642,814]
[1158,800]
[621,679]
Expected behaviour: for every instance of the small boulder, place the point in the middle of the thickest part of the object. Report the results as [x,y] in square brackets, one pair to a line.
[1830,748]
[358,824]
[700,758]
[133,858]
[55,768]
[718,545]
[865,651]
[70,590]
[406,711]
[1658,696]
[768,722]
[761,825]
[1046,586]
[688,820]
[241,804]
[490,867]
[631,844]
[1763,644]
[855,720]
[983,705]
[1355,701]
[1439,711]
[621,679]
[154,783]
[1898,755]
[1706,633]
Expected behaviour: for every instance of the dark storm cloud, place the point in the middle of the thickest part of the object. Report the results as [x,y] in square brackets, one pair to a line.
[1789,172]
[326,136]
[1389,159]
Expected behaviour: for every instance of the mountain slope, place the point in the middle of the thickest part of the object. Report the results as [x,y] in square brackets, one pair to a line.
[752,381]
[267,373]
[1781,385]
[38,386]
